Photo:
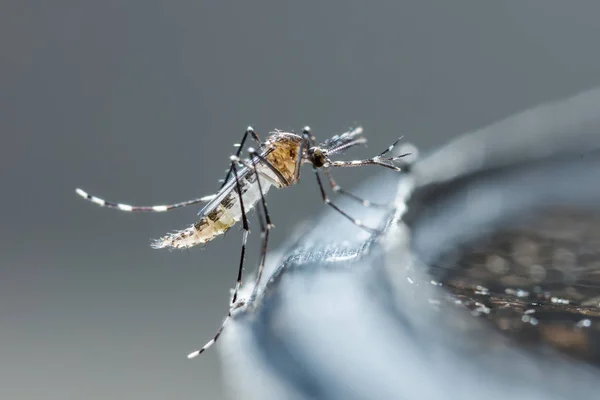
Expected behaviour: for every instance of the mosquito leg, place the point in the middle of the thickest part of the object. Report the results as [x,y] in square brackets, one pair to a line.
[338,189]
[260,218]
[212,341]
[234,305]
[383,153]
[329,203]
[249,131]
[245,227]
[309,138]
[129,208]
[303,146]
[264,227]
[264,232]
[386,162]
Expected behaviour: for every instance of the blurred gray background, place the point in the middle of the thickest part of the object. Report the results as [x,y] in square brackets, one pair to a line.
[141,101]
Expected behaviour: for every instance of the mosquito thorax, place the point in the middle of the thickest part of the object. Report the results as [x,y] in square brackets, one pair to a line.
[318,157]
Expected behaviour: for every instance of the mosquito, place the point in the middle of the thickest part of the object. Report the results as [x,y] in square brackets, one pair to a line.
[276,163]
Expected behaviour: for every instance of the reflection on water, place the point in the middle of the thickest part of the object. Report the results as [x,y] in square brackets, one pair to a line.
[537,281]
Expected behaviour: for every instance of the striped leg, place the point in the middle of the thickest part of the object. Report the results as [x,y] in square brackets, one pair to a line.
[249,131]
[386,162]
[265,229]
[329,203]
[338,189]
[245,227]
[234,304]
[310,139]
[129,208]
[383,153]
[212,341]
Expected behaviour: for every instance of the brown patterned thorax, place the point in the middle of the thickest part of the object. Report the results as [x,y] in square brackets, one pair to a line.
[284,148]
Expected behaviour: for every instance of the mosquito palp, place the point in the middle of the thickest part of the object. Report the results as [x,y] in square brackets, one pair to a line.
[276,162]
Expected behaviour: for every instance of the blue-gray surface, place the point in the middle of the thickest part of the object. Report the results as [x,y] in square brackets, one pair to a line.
[346,315]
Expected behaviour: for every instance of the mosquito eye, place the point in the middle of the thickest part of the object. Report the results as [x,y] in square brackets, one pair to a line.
[318,157]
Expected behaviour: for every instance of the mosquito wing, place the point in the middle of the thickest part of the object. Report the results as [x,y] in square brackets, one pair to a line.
[224,210]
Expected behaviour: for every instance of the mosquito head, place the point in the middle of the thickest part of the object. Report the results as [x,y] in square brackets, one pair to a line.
[317,156]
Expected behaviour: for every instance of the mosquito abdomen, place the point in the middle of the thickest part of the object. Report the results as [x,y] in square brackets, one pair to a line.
[216,220]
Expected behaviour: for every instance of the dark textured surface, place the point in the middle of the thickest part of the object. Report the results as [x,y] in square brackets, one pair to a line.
[487,289]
